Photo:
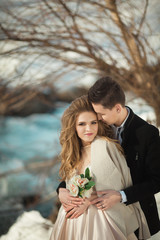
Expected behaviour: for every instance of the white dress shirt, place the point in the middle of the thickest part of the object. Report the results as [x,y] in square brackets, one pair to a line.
[118,131]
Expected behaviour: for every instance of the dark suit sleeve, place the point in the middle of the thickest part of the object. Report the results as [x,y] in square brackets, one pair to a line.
[150,168]
[61,185]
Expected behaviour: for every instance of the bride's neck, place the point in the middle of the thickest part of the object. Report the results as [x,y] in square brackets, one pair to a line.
[85,148]
[85,158]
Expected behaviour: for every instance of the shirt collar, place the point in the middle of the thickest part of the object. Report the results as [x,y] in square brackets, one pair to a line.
[123,123]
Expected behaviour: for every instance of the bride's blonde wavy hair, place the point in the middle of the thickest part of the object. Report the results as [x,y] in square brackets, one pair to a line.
[71,144]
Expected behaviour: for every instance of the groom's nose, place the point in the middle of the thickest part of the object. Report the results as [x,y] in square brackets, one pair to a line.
[99,116]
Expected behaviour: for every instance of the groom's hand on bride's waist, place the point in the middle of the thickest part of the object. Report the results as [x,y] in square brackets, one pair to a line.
[107,199]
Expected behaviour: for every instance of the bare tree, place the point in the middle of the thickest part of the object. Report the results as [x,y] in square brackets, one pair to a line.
[99,37]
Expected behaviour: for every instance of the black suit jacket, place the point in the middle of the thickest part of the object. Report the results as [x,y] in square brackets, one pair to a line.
[141,144]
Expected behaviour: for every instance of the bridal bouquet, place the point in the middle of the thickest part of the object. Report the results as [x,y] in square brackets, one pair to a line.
[81,185]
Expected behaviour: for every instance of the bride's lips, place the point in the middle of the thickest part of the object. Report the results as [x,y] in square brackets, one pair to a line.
[89,134]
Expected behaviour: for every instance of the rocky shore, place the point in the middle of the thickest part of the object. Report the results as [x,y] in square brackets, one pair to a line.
[23,101]
[32,226]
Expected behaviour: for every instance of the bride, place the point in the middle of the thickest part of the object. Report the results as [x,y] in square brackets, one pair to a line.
[85,145]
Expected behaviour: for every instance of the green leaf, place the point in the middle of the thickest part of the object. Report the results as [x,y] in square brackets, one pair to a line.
[81,189]
[80,195]
[89,185]
[80,192]
[82,175]
[87,174]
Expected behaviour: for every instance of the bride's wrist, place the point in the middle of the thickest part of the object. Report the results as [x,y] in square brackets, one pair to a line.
[87,202]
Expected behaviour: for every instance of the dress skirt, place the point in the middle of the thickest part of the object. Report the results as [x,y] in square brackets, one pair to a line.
[94,224]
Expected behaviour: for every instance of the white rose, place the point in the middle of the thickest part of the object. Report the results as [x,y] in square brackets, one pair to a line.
[75,179]
[73,189]
[81,182]
[87,193]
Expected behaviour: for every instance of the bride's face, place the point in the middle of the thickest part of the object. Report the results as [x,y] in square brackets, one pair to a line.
[87,127]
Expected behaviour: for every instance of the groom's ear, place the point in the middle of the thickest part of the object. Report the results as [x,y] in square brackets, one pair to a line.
[118,107]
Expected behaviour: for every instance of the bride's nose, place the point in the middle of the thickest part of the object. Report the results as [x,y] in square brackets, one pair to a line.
[88,127]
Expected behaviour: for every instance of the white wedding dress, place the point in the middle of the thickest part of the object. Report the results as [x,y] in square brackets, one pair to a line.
[94,224]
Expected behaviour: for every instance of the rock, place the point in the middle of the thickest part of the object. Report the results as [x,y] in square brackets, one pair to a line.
[24,101]
[29,226]
[70,94]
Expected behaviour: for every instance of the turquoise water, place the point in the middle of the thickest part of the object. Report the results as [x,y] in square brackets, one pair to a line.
[23,141]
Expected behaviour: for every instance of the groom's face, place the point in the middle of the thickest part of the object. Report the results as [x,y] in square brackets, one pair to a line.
[110,116]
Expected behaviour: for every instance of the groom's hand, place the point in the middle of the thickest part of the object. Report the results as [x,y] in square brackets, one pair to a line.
[108,199]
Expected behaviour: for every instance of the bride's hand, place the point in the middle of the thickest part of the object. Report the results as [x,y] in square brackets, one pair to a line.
[67,200]
[78,210]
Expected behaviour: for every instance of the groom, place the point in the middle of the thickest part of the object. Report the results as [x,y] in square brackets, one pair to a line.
[141,144]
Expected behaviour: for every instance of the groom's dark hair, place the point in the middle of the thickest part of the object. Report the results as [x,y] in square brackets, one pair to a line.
[106,92]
